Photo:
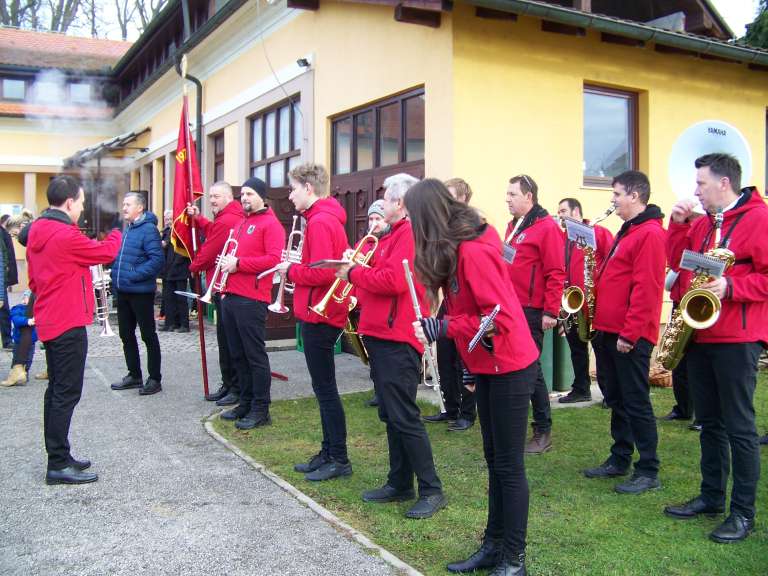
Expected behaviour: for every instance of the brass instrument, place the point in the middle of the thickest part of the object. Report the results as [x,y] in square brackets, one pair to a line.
[354,339]
[101,281]
[699,308]
[215,283]
[290,254]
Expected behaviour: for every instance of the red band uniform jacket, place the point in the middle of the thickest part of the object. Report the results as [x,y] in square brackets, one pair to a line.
[260,238]
[630,283]
[481,282]
[744,313]
[388,310]
[537,267]
[324,238]
[216,233]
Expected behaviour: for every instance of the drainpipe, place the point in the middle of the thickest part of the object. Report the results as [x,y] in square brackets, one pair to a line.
[195,81]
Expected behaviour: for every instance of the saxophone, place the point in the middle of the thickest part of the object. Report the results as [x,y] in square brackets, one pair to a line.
[699,308]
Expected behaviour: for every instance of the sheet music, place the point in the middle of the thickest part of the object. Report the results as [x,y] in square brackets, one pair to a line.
[580,233]
[701,264]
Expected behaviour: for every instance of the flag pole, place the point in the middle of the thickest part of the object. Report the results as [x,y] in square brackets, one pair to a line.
[193,226]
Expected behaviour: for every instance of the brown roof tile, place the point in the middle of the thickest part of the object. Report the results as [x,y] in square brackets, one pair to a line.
[48,50]
[48,111]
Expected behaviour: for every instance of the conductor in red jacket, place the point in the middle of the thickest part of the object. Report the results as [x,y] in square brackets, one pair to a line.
[260,239]
[723,359]
[534,250]
[59,257]
[628,293]
[386,323]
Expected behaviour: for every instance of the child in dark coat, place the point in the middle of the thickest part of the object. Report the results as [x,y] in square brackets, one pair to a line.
[24,339]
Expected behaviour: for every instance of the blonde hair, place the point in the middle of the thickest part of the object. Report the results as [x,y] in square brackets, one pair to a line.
[463,191]
[313,174]
[20,220]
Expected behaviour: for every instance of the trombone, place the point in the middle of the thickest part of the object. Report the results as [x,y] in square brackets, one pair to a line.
[290,254]
[101,281]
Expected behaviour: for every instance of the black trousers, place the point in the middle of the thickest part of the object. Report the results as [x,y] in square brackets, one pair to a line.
[502,404]
[395,372]
[319,341]
[133,309]
[176,307]
[627,393]
[680,384]
[580,360]
[228,373]
[65,356]
[542,412]
[245,324]
[723,397]
[459,402]
[5,321]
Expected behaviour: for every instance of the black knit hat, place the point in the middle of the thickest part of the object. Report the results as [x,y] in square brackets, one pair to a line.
[258,185]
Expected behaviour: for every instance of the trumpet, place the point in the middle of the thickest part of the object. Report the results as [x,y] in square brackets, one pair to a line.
[322,306]
[101,281]
[217,284]
[290,254]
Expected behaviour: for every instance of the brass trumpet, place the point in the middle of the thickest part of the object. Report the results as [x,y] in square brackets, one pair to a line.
[101,281]
[217,284]
[290,254]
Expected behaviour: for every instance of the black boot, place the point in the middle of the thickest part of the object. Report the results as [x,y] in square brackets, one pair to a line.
[219,394]
[510,565]
[487,556]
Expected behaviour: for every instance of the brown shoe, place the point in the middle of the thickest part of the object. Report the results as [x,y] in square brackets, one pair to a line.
[539,443]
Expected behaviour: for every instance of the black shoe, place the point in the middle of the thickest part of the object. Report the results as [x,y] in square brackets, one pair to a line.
[604,404]
[637,484]
[373,402]
[79,464]
[253,421]
[735,528]
[233,414]
[314,463]
[605,470]
[218,395]
[151,386]
[673,415]
[388,494]
[127,383]
[691,509]
[441,417]
[229,400]
[427,506]
[695,427]
[182,329]
[328,470]
[573,397]
[510,565]
[460,425]
[487,556]
[69,475]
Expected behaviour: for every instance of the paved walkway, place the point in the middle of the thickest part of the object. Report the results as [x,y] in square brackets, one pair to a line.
[170,499]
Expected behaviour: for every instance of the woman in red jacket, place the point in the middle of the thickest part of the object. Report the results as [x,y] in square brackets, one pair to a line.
[458,253]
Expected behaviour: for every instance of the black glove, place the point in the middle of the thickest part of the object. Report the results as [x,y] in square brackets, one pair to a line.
[434,329]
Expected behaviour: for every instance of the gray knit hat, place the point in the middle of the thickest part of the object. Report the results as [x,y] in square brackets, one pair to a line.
[377,208]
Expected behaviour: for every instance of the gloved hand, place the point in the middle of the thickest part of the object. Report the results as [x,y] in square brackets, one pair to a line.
[434,329]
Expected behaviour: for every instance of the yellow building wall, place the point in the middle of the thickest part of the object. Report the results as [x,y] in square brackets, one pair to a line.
[52,144]
[518,108]
[41,193]
[232,169]
[11,188]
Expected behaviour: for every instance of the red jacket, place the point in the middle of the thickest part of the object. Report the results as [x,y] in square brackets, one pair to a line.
[261,239]
[630,284]
[388,310]
[575,269]
[481,282]
[744,313]
[538,268]
[59,256]
[324,238]
[216,233]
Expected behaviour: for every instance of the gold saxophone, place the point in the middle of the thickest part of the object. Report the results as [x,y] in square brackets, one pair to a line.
[699,308]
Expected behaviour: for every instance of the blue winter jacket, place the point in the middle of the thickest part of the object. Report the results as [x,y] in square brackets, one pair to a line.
[19,319]
[140,259]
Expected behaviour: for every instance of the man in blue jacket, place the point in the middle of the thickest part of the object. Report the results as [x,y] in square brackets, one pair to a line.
[134,279]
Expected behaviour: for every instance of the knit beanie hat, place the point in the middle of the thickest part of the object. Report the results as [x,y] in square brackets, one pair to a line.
[257,185]
[377,208]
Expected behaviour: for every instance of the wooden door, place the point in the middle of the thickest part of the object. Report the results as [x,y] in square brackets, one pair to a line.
[281,326]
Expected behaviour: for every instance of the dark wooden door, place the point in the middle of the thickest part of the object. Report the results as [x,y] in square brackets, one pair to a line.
[281,325]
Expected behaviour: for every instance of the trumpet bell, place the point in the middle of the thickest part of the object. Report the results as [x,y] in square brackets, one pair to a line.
[278,308]
[700,308]
[106,330]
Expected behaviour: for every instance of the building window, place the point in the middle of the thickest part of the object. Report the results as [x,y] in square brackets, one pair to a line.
[218,157]
[80,92]
[276,135]
[610,134]
[13,89]
[389,132]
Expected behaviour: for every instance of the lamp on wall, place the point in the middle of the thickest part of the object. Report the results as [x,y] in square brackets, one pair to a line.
[303,63]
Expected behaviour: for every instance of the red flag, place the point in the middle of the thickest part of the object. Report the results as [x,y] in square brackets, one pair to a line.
[186,187]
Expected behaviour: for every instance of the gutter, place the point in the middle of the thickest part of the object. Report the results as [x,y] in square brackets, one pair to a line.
[637,31]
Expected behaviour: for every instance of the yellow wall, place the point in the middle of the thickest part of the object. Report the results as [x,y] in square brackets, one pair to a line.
[11,188]
[41,194]
[52,144]
[518,107]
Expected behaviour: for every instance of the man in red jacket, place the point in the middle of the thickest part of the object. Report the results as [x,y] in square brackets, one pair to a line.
[324,238]
[628,293]
[534,250]
[59,256]
[226,216]
[244,300]
[395,355]
[723,359]
[574,276]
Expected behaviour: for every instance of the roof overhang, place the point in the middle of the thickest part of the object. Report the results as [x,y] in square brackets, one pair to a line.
[102,149]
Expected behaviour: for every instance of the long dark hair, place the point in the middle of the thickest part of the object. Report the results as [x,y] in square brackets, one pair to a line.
[439,224]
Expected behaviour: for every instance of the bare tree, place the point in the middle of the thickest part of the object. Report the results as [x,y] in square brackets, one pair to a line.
[17,12]
[126,10]
[63,13]
[147,10]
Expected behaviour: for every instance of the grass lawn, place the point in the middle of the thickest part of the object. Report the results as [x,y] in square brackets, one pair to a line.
[576,526]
